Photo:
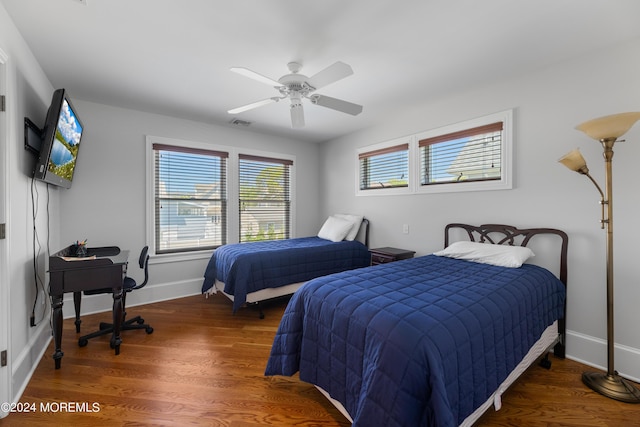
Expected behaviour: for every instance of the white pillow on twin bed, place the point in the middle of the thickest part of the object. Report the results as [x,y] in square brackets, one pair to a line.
[487,253]
[355,220]
[335,229]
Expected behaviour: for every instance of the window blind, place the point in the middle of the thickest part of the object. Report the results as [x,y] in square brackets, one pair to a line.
[473,154]
[265,198]
[190,198]
[384,168]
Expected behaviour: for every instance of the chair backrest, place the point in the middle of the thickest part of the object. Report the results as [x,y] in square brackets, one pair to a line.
[143,261]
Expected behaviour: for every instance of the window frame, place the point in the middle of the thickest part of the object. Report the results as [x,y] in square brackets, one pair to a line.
[381,147]
[232,179]
[169,201]
[287,164]
[506,156]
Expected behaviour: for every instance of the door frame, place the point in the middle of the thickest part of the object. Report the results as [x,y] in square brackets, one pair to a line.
[5,327]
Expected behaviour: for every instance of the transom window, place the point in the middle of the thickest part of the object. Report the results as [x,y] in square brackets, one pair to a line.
[462,156]
[386,167]
[474,155]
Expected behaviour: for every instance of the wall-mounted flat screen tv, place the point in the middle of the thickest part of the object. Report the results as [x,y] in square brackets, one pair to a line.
[62,134]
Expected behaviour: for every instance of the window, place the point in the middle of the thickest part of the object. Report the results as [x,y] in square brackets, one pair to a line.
[201,196]
[387,167]
[265,198]
[190,198]
[474,155]
[462,156]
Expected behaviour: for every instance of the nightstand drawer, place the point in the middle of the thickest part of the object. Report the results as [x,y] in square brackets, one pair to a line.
[381,259]
[387,254]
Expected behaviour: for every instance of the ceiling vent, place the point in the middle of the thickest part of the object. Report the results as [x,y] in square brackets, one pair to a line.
[239,122]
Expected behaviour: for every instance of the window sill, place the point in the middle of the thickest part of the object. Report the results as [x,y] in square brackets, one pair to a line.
[179,257]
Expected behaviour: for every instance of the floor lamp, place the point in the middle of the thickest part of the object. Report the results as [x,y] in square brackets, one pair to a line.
[607,130]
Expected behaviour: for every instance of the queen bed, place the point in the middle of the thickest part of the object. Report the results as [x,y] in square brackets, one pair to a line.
[257,271]
[432,340]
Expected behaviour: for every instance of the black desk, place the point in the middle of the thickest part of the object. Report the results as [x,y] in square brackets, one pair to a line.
[103,267]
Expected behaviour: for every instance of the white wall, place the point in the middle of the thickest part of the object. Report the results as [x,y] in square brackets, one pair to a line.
[28,93]
[548,104]
[107,203]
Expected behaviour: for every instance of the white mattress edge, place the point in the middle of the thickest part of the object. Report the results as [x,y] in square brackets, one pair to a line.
[262,294]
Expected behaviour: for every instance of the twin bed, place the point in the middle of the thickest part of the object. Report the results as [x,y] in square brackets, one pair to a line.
[432,340]
[249,273]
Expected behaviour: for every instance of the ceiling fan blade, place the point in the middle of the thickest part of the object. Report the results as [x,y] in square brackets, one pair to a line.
[253,105]
[255,76]
[331,74]
[336,104]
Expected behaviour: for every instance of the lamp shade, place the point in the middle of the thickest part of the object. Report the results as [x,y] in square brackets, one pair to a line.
[613,126]
[574,161]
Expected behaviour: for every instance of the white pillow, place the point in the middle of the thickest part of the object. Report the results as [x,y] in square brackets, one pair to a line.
[486,253]
[334,229]
[355,220]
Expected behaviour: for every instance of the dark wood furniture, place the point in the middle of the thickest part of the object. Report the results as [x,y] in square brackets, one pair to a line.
[388,254]
[103,267]
[500,234]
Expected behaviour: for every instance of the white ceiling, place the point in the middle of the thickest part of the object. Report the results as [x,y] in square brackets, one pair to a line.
[173,57]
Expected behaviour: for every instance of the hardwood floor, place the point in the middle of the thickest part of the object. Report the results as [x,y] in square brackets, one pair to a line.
[204,366]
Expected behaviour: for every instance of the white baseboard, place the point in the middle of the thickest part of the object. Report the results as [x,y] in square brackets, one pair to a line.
[149,294]
[25,364]
[593,352]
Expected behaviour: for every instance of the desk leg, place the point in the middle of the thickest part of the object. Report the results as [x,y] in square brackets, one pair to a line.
[117,319]
[56,306]
[77,298]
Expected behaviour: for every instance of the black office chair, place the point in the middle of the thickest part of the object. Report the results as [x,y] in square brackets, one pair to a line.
[129,284]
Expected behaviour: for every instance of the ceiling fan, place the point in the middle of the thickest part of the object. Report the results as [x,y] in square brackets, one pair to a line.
[296,86]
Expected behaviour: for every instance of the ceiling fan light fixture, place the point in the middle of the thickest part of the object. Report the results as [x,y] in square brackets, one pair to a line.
[297,111]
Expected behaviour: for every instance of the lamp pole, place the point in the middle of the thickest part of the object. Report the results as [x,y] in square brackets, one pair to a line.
[607,130]
[607,144]
[611,384]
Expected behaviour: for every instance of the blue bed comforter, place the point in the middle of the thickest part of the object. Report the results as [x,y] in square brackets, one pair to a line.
[250,267]
[419,342]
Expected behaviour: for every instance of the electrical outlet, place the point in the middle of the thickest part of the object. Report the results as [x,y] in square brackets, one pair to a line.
[405,228]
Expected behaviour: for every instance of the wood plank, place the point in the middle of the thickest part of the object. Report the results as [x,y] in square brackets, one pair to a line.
[204,365]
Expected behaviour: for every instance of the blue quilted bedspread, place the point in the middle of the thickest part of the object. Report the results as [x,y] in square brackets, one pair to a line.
[250,267]
[419,342]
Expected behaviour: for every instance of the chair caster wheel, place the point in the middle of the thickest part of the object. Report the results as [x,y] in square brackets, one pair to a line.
[82,342]
[140,321]
[115,344]
[148,330]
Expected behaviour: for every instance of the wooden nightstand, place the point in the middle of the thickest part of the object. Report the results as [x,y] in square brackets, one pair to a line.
[387,254]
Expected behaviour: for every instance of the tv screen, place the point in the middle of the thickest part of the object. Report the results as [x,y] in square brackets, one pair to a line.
[60,143]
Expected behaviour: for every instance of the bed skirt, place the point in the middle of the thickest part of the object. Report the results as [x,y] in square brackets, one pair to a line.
[546,342]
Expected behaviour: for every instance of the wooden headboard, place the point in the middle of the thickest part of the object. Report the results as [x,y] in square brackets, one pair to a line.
[500,234]
[365,224]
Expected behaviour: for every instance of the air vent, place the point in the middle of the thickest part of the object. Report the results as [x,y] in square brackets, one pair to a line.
[239,122]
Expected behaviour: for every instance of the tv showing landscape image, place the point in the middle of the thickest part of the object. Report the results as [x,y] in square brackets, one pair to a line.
[62,159]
